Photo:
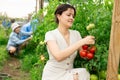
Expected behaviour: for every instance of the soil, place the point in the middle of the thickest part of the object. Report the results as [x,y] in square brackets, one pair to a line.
[13,70]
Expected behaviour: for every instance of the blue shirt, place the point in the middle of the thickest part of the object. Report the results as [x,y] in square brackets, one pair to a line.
[15,39]
[29,27]
[6,24]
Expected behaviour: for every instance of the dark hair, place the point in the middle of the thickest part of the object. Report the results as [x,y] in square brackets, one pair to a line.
[61,8]
[12,20]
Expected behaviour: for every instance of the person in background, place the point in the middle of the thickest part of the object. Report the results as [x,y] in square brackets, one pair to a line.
[6,25]
[15,43]
[9,23]
[62,45]
[29,27]
[12,21]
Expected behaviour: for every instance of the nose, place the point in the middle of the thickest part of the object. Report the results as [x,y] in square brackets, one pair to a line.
[71,17]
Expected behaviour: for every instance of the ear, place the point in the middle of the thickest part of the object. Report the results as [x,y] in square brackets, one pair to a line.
[58,16]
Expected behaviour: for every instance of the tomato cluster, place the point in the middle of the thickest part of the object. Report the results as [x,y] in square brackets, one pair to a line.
[87,52]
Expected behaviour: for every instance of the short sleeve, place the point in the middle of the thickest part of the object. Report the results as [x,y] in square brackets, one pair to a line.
[49,36]
[78,35]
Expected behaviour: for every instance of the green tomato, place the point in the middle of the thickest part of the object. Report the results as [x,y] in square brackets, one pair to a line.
[118,76]
[102,74]
[90,26]
[93,77]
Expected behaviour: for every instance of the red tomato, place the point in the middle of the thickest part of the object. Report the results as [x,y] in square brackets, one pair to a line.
[83,53]
[90,56]
[92,49]
[85,47]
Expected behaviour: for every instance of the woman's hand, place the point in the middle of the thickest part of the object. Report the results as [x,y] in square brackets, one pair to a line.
[29,38]
[88,40]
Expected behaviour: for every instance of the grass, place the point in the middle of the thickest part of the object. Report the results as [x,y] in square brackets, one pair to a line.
[3,43]
[4,57]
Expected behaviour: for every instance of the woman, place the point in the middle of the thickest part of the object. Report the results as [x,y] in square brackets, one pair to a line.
[63,44]
[15,43]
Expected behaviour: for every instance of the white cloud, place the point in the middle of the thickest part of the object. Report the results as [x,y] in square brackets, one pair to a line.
[17,8]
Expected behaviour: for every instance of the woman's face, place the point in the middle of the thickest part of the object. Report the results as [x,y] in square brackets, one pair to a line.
[66,18]
[17,30]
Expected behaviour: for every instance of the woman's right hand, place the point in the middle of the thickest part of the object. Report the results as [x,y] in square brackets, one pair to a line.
[88,40]
[29,38]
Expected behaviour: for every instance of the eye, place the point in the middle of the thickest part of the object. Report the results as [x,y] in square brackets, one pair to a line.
[68,15]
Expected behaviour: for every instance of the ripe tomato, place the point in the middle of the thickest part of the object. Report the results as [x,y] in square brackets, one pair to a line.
[83,53]
[92,49]
[85,47]
[90,55]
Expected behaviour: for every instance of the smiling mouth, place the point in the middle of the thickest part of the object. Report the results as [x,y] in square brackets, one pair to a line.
[70,21]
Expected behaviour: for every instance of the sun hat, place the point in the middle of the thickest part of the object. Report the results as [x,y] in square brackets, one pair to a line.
[14,26]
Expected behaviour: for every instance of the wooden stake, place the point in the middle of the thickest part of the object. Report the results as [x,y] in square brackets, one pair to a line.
[114,47]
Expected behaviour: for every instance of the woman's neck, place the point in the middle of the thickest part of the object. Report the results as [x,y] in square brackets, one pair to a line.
[65,33]
[63,30]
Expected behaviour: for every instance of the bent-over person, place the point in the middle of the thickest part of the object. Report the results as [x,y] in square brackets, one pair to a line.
[15,43]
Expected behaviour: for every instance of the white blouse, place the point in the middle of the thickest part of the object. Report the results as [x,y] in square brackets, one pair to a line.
[63,70]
